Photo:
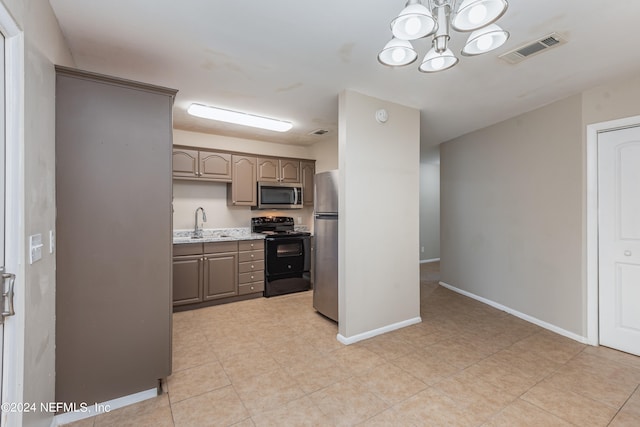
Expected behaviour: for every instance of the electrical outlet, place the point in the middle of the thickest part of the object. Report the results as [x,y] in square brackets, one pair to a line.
[422,249]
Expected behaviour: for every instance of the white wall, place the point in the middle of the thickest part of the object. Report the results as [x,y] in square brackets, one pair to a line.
[379,208]
[44,46]
[189,195]
[325,154]
[429,203]
[212,196]
[614,100]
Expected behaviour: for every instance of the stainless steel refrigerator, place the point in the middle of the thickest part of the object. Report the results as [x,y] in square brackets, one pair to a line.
[325,226]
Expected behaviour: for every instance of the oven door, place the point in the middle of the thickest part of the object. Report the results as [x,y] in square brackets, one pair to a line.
[287,255]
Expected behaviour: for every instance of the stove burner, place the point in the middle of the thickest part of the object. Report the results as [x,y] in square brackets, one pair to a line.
[276,226]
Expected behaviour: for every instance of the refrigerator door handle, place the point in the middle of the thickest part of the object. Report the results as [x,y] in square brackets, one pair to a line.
[326,215]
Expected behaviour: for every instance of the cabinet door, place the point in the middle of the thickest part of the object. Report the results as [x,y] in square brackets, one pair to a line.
[215,166]
[221,277]
[187,280]
[268,169]
[290,171]
[185,163]
[308,172]
[243,186]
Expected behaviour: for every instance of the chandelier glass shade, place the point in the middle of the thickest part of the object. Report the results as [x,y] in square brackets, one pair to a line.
[397,53]
[436,18]
[434,61]
[414,21]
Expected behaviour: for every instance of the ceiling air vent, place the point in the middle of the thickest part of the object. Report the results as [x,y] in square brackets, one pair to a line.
[533,48]
[318,132]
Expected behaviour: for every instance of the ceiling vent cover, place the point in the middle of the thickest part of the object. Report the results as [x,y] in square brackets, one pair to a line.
[318,132]
[533,48]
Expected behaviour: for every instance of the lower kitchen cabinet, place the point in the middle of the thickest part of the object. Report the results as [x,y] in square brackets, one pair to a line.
[187,279]
[251,266]
[204,274]
[220,276]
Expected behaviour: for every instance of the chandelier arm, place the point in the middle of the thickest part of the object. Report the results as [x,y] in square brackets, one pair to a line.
[441,38]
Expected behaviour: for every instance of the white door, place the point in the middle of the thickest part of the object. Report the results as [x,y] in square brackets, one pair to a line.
[2,205]
[619,238]
[11,202]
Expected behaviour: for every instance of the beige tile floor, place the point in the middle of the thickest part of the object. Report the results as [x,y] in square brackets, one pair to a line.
[275,362]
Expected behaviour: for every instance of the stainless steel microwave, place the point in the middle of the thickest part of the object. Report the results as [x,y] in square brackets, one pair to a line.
[273,195]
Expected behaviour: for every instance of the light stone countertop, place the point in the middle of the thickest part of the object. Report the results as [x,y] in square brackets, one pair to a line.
[216,235]
[222,235]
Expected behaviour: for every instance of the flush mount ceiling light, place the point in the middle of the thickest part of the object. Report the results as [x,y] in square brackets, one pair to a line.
[238,118]
[417,21]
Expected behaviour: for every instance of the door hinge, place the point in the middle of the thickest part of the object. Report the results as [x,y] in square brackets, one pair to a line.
[6,301]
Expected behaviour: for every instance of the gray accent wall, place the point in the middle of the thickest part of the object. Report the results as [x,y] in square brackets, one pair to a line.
[512,214]
[513,206]
[429,203]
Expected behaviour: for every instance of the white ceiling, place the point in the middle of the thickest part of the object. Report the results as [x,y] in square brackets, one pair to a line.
[290,59]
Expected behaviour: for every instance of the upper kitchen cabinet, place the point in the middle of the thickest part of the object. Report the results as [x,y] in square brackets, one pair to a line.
[113,235]
[185,163]
[308,172]
[243,186]
[201,165]
[278,170]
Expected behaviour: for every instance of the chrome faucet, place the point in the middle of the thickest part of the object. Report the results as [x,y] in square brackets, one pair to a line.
[197,231]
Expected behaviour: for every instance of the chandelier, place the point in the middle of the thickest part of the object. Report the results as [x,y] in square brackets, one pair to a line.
[418,21]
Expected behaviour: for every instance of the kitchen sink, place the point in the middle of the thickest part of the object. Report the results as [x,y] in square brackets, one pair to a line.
[212,236]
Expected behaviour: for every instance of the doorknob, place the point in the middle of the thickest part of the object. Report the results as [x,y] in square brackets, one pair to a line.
[627,253]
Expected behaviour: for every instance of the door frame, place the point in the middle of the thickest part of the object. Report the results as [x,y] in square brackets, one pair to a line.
[592,246]
[14,326]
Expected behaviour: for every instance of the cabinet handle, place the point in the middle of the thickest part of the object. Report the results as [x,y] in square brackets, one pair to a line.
[252,277]
[252,288]
[252,266]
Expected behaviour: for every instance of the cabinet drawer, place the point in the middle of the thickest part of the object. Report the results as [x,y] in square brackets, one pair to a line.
[187,249]
[246,267]
[220,247]
[250,245]
[251,288]
[253,276]
[251,256]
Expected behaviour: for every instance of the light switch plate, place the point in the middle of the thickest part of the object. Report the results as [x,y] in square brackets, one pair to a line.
[35,248]
[52,241]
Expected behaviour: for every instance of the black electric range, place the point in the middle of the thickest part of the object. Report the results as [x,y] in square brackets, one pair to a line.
[287,255]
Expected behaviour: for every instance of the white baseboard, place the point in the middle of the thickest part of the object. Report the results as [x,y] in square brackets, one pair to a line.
[100,408]
[522,316]
[426,261]
[370,334]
